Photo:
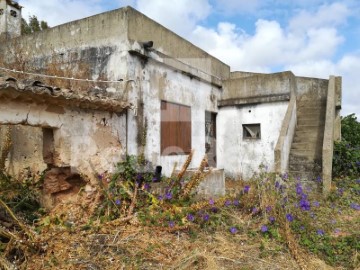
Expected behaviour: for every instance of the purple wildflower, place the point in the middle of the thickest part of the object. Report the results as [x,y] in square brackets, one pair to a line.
[233,230]
[171,224]
[289,217]
[100,176]
[117,202]
[147,186]
[227,203]
[168,196]
[358,181]
[254,210]
[304,204]
[155,179]
[246,189]
[268,209]
[316,204]
[320,232]
[272,219]
[139,177]
[211,202]
[206,217]
[236,202]
[160,198]
[190,217]
[264,228]
[302,227]
[285,176]
[299,189]
[337,231]
[277,184]
[355,206]
[214,209]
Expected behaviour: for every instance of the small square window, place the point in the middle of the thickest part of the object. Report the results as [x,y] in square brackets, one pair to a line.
[251,131]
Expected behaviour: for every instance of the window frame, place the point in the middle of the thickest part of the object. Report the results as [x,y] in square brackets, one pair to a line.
[244,131]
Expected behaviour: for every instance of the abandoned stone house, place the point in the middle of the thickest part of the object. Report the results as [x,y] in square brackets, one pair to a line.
[155,93]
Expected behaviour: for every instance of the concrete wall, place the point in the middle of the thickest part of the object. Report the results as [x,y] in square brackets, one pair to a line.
[238,156]
[163,83]
[24,154]
[142,28]
[329,133]
[287,132]
[98,44]
[89,141]
[311,88]
[257,85]
[10,26]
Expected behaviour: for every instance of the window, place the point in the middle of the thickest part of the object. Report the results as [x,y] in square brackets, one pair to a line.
[175,129]
[251,131]
[48,145]
[1,11]
[13,13]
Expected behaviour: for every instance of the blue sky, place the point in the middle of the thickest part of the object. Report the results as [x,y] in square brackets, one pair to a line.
[314,38]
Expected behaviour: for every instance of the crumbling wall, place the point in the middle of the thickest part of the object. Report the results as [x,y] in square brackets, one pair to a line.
[26,153]
[88,141]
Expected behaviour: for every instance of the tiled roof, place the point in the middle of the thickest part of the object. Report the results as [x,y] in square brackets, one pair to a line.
[33,91]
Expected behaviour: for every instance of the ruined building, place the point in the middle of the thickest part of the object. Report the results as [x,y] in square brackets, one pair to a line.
[154,92]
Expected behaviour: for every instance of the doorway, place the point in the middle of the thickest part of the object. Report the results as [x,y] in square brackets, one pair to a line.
[210,138]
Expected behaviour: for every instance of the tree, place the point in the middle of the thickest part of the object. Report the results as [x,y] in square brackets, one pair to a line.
[33,25]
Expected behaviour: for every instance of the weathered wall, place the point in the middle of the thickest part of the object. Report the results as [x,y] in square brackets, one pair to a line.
[240,157]
[99,43]
[10,26]
[88,141]
[24,154]
[245,85]
[287,132]
[142,28]
[311,88]
[330,132]
[162,83]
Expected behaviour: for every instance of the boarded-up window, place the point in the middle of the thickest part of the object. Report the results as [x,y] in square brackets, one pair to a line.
[175,129]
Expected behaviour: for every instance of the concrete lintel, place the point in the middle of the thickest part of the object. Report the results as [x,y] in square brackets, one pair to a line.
[177,65]
[253,100]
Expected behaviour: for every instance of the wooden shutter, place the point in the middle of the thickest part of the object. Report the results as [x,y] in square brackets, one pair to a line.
[175,128]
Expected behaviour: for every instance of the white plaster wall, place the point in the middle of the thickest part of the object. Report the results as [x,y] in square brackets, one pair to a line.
[89,141]
[241,158]
[161,83]
[3,17]
[8,23]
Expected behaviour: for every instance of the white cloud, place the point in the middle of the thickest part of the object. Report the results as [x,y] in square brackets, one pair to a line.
[271,45]
[327,15]
[60,11]
[179,16]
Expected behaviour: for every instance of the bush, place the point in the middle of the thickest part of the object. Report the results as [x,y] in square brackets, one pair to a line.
[346,161]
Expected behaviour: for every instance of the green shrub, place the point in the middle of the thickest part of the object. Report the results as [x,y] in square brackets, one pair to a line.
[346,161]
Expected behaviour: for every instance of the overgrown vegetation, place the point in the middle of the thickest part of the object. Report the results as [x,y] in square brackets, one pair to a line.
[139,221]
[346,160]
